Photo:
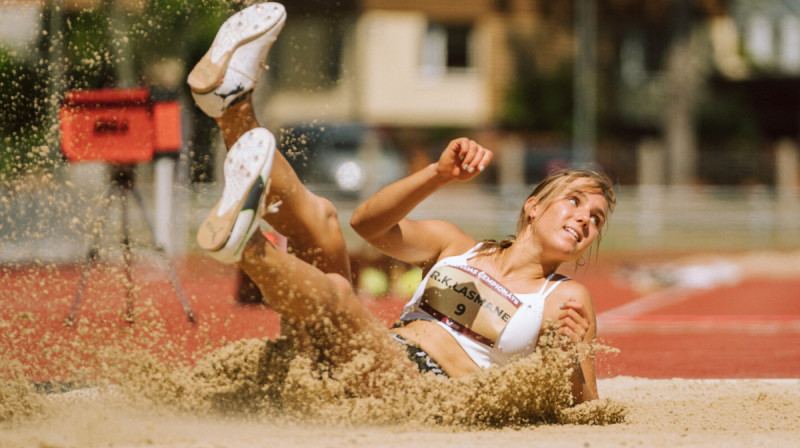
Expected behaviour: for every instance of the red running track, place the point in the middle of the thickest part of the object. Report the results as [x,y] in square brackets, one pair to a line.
[748,330]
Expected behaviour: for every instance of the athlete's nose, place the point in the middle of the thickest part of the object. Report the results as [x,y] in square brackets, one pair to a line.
[582,216]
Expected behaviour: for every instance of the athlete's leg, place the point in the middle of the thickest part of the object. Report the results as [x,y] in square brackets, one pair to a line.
[309,222]
[334,324]
[222,84]
[327,318]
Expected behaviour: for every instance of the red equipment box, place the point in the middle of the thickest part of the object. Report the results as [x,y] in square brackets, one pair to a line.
[167,121]
[117,126]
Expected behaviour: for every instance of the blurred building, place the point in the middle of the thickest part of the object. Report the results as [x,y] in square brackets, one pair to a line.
[713,83]
[707,87]
[694,104]
[400,62]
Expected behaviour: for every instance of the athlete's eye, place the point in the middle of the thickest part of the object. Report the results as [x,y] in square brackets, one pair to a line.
[598,219]
[573,200]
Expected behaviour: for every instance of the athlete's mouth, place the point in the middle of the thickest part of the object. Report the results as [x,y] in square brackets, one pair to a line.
[574,233]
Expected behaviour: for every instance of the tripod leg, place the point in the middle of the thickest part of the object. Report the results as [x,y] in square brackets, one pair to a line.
[173,276]
[176,285]
[91,257]
[89,262]
[127,257]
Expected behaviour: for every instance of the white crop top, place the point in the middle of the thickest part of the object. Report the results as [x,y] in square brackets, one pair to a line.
[490,323]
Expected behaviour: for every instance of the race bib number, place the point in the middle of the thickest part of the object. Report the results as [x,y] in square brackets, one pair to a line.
[469,301]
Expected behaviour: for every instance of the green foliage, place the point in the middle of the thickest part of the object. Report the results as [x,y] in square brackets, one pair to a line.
[99,40]
[90,53]
[170,28]
[730,137]
[539,101]
[23,97]
[21,93]
[25,152]
[725,117]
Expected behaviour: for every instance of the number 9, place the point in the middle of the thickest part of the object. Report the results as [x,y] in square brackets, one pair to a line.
[460,309]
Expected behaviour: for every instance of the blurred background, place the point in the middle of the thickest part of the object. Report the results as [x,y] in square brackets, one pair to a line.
[692,106]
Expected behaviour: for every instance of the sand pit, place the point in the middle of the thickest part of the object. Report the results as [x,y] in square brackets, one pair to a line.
[228,398]
[661,413]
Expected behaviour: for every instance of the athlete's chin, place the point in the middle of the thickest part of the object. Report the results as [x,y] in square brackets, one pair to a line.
[567,251]
[570,255]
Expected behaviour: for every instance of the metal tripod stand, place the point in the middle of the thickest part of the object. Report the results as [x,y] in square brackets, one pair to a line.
[123,185]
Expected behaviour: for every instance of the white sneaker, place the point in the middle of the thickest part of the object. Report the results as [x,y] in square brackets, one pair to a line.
[226,230]
[230,68]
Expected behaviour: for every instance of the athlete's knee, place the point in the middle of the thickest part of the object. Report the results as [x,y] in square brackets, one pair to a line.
[345,299]
[341,286]
[329,237]
[328,214]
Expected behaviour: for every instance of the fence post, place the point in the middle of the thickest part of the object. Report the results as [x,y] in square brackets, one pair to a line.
[164,192]
[511,176]
[761,219]
[511,169]
[787,183]
[650,156]
[787,170]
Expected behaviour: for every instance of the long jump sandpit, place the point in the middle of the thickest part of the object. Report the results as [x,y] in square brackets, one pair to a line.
[708,368]
[661,413]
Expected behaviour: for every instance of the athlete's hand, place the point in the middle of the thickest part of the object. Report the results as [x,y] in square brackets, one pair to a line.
[463,159]
[572,320]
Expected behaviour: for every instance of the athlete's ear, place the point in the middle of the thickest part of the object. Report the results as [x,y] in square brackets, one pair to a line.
[531,208]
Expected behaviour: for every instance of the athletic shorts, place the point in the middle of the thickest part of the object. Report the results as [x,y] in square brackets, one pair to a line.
[419,357]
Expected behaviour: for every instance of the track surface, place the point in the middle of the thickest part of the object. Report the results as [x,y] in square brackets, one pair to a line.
[750,329]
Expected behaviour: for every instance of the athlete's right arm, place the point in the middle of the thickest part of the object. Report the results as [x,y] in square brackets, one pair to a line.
[382,219]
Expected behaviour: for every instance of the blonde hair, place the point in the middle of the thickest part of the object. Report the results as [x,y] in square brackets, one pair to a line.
[548,191]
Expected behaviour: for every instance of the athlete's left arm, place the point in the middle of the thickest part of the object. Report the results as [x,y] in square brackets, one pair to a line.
[578,321]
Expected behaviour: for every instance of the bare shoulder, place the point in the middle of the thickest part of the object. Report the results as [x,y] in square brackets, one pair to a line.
[571,289]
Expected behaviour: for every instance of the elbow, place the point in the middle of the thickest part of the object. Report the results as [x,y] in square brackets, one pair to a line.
[357,223]
[360,225]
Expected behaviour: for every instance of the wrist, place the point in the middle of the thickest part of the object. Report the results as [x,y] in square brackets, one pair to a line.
[440,176]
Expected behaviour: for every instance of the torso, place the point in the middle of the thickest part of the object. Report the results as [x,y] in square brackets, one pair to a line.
[465,319]
[437,343]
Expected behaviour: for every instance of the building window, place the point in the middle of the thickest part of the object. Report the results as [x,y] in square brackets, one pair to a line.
[760,40]
[790,44]
[447,48]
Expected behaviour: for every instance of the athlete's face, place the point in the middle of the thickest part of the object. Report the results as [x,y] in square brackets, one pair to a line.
[571,223]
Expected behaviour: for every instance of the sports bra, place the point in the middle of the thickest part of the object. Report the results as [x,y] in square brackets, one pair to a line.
[490,323]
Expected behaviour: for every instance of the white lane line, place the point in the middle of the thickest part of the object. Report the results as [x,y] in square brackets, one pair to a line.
[635,317]
[650,302]
[760,325]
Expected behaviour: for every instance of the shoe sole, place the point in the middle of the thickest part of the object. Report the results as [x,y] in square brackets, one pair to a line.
[238,30]
[246,170]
